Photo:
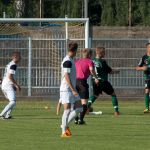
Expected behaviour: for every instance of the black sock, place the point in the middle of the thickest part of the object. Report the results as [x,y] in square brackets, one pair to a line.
[76,119]
[82,114]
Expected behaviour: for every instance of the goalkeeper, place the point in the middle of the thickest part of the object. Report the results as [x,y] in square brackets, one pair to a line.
[102,70]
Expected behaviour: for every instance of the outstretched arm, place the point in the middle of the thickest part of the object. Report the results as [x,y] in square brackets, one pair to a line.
[115,71]
[143,68]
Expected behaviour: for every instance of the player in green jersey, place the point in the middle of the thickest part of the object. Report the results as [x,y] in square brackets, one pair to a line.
[144,65]
[102,70]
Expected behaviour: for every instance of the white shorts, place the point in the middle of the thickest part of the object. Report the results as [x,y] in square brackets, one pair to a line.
[68,97]
[9,92]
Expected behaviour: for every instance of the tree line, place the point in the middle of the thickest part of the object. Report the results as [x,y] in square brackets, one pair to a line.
[100,12]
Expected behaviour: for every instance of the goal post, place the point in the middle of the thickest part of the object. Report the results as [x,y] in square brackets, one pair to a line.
[43,44]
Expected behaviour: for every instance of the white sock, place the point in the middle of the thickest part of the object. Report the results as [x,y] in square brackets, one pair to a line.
[96,113]
[73,114]
[9,107]
[65,117]
[8,113]
[72,107]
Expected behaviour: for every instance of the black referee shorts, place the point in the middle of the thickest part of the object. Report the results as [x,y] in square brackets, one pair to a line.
[104,86]
[83,89]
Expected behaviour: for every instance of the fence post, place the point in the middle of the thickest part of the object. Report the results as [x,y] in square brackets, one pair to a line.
[4,14]
[67,36]
[87,34]
[90,78]
[88,45]
[29,67]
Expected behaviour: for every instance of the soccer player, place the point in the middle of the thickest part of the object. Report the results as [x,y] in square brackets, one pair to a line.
[9,85]
[68,93]
[84,67]
[91,112]
[144,65]
[102,70]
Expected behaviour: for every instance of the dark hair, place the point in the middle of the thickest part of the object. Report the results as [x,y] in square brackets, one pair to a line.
[100,48]
[147,44]
[15,54]
[87,52]
[73,46]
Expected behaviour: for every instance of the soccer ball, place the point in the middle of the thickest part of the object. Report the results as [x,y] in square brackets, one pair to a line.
[46,107]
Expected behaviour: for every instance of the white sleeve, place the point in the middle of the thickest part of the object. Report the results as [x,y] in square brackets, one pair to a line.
[67,70]
[11,71]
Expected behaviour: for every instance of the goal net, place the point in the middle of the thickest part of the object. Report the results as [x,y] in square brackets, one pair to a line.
[42,44]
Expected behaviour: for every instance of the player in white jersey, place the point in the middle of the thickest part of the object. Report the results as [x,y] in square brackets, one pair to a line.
[9,85]
[68,93]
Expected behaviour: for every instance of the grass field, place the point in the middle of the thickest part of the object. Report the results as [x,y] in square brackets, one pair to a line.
[36,128]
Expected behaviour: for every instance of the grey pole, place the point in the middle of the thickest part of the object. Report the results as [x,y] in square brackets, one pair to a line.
[29,68]
[40,8]
[4,14]
[130,13]
[86,8]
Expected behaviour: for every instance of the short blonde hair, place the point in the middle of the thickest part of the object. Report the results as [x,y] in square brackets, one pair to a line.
[87,53]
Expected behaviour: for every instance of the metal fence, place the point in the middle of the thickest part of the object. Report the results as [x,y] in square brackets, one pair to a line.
[42,49]
[124,54]
[39,70]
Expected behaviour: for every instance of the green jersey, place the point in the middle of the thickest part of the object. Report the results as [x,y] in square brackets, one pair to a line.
[145,61]
[102,69]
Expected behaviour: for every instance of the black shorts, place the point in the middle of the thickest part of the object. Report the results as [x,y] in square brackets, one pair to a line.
[83,89]
[147,84]
[104,86]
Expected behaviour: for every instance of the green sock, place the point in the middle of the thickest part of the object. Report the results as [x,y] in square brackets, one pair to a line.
[91,100]
[147,101]
[115,103]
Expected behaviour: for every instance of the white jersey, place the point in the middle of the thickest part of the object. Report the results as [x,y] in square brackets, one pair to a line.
[67,66]
[10,69]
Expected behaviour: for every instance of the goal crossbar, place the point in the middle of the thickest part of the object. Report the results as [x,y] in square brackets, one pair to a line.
[44,19]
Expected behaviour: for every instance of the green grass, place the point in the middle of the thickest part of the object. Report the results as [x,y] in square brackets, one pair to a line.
[35,128]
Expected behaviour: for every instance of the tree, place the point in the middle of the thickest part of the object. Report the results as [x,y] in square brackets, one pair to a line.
[31,9]
[7,7]
[95,12]
[121,13]
[71,8]
[19,8]
[108,12]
